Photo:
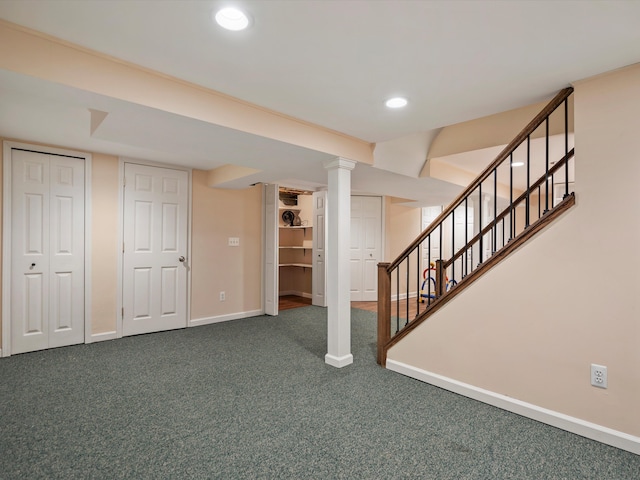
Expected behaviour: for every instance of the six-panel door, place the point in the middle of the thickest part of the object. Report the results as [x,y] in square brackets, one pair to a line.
[366,247]
[155,249]
[47,238]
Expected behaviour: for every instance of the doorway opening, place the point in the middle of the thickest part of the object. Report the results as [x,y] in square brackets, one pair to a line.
[295,248]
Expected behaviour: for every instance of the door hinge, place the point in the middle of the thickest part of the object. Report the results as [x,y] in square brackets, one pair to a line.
[122,247]
[122,312]
[124,181]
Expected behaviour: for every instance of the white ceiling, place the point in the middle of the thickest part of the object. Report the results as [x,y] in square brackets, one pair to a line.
[332,63]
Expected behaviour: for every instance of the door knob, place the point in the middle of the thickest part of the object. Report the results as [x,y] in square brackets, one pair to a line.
[33,265]
[182,259]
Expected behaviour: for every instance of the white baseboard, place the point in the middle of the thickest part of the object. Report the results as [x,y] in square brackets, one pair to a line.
[403,296]
[224,318]
[580,427]
[338,362]
[296,293]
[101,337]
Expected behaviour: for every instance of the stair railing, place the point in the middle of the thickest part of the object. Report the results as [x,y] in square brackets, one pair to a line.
[510,200]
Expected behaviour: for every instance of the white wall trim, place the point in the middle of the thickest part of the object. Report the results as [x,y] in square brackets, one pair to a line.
[101,337]
[296,293]
[88,225]
[6,234]
[270,236]
[575,425]
[120,237]
[189,237]
[6,249]
[224,318]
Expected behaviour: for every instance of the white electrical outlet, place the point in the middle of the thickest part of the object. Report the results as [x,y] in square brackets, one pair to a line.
[223,296]
[598,376]
[234,241]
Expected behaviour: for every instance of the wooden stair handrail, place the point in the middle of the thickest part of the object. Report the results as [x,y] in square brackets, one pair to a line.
[506,211]
[508,150]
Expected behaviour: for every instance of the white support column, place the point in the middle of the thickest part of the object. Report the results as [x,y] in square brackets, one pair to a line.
[337,258]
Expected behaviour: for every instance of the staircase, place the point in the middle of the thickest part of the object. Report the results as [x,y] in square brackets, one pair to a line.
[527,186]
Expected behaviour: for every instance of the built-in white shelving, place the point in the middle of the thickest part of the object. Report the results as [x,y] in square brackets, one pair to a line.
[295,248]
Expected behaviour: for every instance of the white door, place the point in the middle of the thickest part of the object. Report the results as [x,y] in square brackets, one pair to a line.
[155,249]
[366,240]
[271,269]
[318,282]
[47,239]
[429,214]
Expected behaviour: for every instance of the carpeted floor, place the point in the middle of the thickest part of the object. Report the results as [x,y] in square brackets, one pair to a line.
[254,399]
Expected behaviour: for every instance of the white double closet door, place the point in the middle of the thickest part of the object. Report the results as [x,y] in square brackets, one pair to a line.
[47,250]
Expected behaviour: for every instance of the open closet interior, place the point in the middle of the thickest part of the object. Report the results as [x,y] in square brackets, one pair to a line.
[295,247]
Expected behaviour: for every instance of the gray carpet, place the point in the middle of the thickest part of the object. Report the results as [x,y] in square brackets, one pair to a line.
[254,399]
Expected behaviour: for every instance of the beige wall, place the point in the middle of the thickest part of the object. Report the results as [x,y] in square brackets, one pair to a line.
[498,129]
[104,242]
[568,298]
[402,226]
[215,267]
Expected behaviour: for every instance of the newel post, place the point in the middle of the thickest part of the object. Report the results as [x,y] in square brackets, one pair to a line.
[384,311]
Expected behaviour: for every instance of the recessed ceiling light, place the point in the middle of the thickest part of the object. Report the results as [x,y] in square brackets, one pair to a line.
[232,19]
[517,164]
[396,102]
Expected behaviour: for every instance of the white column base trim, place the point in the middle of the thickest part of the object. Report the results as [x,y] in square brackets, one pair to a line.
[101,337]
[580,427]
[338,362]
[224,318]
